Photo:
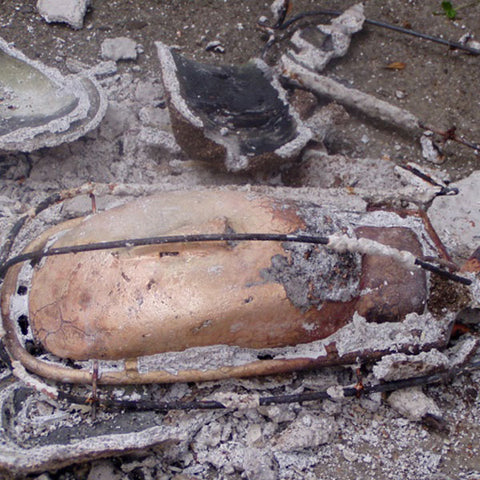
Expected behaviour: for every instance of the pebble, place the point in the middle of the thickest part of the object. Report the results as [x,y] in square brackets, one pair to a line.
[104,470]
[64,11]
[120,48]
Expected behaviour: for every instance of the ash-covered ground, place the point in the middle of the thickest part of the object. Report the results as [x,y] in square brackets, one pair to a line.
[134,144]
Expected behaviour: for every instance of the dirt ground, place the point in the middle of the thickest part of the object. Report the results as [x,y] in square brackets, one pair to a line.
[439,85]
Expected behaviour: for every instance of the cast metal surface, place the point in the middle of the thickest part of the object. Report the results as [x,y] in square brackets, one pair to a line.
[229,309]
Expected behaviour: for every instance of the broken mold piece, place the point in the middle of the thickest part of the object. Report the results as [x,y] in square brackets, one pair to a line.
[64,11]
[41,108]
[316,47]
[233,116]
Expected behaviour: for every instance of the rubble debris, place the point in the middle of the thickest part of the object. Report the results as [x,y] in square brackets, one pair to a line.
[401,365]
[457,218]
[430,150]
[27,448]
[39,107]
[236,118]
[367,104]
[119,48]
[413,404]
[328,41]
[378,181]
[306,431]
[70,12]
[215,46]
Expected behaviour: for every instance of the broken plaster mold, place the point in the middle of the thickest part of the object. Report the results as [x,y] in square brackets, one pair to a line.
[40,107]
[236,129]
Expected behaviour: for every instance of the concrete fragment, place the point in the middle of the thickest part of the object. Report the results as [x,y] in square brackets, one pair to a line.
[120,48]
[42,108]
[236,118]
[63,11]
[413,404]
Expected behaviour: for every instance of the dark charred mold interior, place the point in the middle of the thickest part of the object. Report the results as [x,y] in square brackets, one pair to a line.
[240,99]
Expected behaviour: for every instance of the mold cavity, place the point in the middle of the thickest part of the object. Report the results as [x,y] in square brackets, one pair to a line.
[265,356]
[22,290]
[22,321]
[33,349]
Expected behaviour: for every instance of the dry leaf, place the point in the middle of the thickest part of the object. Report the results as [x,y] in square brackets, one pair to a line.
[396,66]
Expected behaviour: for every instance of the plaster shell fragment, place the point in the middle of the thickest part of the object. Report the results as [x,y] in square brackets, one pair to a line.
[413,404]
[401,365]
[332,41]
[237,118]
[456,218]
[41,108]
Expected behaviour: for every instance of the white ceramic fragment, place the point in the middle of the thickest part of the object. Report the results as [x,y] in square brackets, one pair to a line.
[71,12]
[39,107]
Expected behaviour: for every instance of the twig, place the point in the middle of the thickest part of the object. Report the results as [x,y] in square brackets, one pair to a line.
[451,134]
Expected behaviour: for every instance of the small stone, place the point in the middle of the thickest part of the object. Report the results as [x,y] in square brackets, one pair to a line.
[400,94]
[120,48]
[63,11]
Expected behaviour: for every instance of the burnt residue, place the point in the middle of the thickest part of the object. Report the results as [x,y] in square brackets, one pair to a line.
[312,275]
[447,296]
[241,100]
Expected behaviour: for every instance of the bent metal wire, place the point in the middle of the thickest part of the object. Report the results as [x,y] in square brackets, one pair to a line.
[333,242]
